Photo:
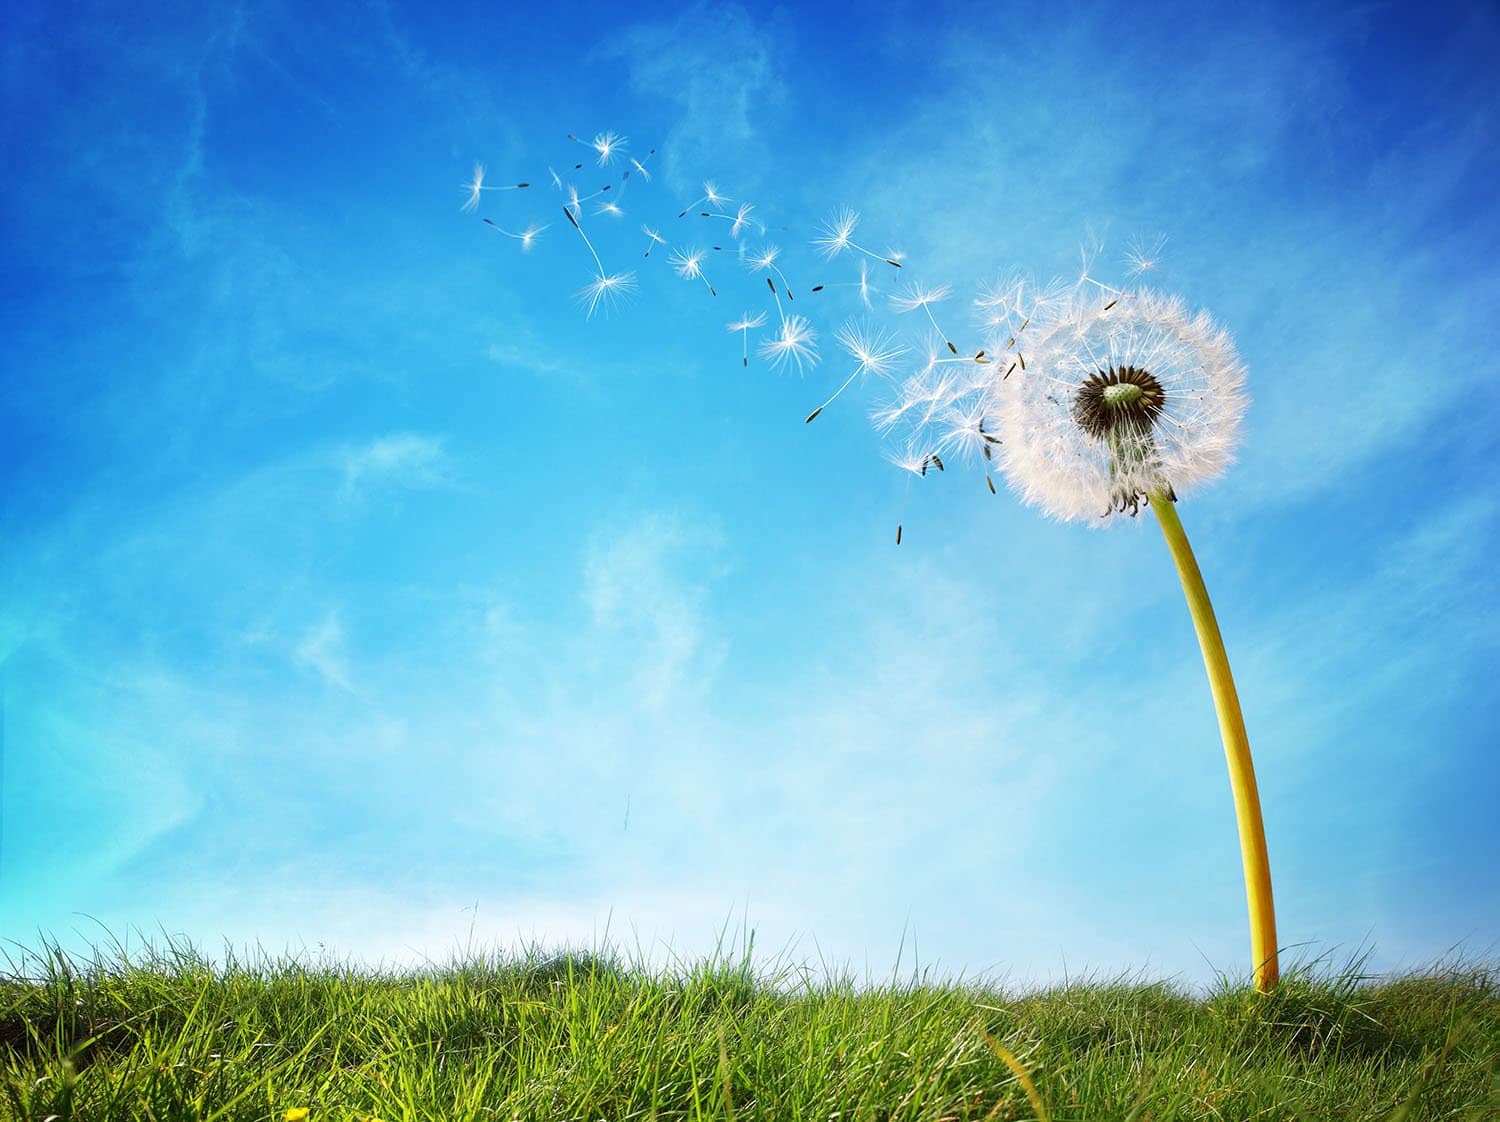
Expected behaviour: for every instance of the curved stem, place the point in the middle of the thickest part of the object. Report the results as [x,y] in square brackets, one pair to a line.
[1236,747]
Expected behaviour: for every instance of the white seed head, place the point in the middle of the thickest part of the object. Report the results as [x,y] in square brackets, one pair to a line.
[605,290]
[747,322]
[687,262]
[474,187]
[915,296]
[608,145]
[836,232]
[741,219]
[711,194]
[794,345]
[1119,397]
[765,259]
[874,349]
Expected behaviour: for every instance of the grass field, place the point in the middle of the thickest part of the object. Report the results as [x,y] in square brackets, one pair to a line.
[169,1034]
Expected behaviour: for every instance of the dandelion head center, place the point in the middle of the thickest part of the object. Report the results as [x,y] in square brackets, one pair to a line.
[1118,398]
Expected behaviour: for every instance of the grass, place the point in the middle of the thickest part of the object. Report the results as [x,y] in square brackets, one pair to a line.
[172,1035]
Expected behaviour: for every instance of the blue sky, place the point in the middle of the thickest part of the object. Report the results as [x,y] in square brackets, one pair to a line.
[352,577]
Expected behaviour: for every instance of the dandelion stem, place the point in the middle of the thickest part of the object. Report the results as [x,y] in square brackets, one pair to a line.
[1236,747]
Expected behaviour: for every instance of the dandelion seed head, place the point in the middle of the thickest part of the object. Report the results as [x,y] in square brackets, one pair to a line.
[1143,255]
[765,259]
[1117,402]
[688,263]
[711,194]
[875,349]
[794,345]
[747,322]
[836,232]
[915,296]
[608,145]
[741,218]
[474,187]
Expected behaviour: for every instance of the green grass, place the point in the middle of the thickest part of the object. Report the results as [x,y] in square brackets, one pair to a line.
[169,1034]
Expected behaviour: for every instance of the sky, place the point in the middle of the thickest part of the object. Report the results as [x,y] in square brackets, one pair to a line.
[361,592]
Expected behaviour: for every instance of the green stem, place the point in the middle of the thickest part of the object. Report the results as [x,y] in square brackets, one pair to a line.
[1236,747]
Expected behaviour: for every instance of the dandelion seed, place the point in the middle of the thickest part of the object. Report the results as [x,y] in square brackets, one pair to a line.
[837,237]
[794,345]
[556,179]
[604,291]
[477,184]
[636,165]
[606,144]
[991,482]
[710,195]
[689,266]
[863,284]
[765,260]
[744,325]
[526,237]
[740,220]
[653,239]
[917,296]
[898,533]
[612,209]
[875,352]
[1142,256]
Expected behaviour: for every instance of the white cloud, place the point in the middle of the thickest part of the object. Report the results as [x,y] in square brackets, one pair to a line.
[404,459]
[322,650]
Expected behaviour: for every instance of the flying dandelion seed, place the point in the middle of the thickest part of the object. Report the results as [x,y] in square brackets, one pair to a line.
[794,345]
[605,291]
[740,219]
[837,232]
[744,325]
[765,261]
[610,208]
[710,195]
[526,237]
[637,166]
[606,144]
[653,239]
[875,352]
[916,296]
[863,284]
[477,184]
[689,265]
[1144,256]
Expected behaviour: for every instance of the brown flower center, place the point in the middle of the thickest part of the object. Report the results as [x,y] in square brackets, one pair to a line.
[1122,400]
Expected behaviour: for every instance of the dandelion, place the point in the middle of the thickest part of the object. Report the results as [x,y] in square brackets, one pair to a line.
[837,232]
[477,184]
[653,239]
[744,325]
[794,344]
[874,350]
[765,261]
[1131,402]
[710,195]
[689,266]
[526,237]
[916,296]
[605,290]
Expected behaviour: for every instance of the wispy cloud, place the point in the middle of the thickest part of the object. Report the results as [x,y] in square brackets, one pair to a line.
[403,459]
[719,66]
[322,650]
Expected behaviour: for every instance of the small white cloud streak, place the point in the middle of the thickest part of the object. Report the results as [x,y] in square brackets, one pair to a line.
[405,459]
